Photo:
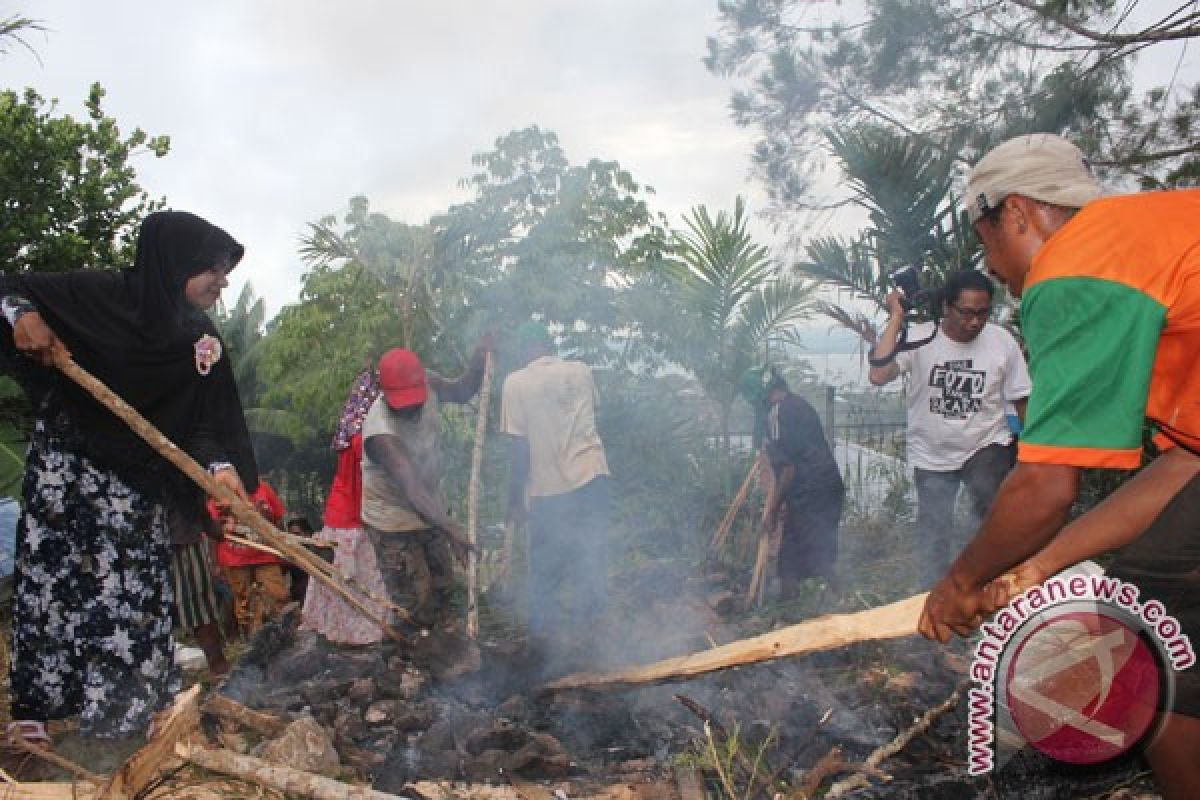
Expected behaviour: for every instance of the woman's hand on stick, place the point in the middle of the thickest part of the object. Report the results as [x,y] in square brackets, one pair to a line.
[33,337]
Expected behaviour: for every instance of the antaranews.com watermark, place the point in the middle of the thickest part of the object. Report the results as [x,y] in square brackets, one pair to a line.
[1078,666]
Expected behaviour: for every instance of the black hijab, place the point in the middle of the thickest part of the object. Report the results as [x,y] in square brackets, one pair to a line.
[136,332]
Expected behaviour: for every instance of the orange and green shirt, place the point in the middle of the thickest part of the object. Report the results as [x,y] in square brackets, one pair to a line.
[1111,316]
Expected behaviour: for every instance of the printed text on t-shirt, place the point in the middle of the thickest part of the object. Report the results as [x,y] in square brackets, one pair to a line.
[962,389]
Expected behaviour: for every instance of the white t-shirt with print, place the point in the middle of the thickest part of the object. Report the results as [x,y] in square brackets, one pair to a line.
[958,392]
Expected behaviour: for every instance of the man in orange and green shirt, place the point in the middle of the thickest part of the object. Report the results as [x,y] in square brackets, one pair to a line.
[1110,290]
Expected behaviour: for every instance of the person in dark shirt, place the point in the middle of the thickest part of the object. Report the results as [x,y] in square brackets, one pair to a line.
[808,491]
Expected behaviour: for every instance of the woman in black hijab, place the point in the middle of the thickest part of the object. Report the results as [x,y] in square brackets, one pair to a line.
[92,621]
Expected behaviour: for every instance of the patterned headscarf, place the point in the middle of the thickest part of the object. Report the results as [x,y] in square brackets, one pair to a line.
[362,395]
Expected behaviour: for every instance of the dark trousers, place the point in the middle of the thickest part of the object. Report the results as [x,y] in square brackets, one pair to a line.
[938,543]
[808,548]
[568,561]
[1164,563]
[418,571]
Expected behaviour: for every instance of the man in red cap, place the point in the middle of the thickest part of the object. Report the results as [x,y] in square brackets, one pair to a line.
[403,506]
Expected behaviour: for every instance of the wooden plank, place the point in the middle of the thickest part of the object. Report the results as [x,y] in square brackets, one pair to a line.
[814,635]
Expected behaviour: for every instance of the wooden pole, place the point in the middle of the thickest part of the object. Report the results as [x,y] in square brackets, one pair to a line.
[485,397]
[823,633]
[731,514]
[244,512]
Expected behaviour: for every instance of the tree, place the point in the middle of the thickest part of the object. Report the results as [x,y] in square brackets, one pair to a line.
[903,184]
[544,237]
[68,192]
[729,300]
[12,29]
[958,76]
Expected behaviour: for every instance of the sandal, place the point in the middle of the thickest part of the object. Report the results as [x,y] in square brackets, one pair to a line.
[28,730]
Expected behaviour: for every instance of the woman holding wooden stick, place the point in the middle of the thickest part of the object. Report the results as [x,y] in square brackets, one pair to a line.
[92,622]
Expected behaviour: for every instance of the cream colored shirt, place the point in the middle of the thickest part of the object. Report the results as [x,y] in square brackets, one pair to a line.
[385,506]
[551,403]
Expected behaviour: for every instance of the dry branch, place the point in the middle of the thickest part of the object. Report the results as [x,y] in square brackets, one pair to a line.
[274,776]
[871,765]
[51,757]
[814,635]
[485,397]
[244,512]
[269,725]
[48,790]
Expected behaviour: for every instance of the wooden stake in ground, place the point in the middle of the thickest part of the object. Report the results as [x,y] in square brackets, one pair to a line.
[485,397]
[244,512]
[814,635]
[731,513]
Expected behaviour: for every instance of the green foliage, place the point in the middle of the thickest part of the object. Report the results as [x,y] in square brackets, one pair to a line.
[958,76]
[547,238]
[728,301]
[903,183]
[70,197]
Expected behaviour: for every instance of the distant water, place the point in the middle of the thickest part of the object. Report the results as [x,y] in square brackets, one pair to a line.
[840,369]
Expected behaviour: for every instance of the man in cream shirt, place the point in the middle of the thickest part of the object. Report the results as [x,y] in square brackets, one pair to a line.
[558,463]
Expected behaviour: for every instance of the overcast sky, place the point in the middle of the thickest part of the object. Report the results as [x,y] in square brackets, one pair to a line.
[279,112]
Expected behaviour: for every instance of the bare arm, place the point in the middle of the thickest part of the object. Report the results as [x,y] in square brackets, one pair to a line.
[1020,406]
[1120,519]
[467,385]
[886,343]
[1030,508]
[389,452]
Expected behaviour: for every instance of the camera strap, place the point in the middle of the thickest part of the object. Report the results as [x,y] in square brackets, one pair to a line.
[902,344]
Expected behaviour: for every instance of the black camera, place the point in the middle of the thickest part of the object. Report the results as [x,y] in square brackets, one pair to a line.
[908,281]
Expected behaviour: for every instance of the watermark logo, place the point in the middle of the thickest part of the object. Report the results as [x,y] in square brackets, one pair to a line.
[1077,667]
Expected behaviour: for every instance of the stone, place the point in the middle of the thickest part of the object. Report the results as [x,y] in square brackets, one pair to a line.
[303,745]
[362,691]
[349,726]
[541,757]
[724,603]
[499,735]
[380,712]
[486,766]
[302,661]
[415,717]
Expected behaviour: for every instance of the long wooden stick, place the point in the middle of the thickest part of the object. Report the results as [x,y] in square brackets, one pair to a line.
[274,776]
[244,512]
[485,397]
[731,514]
[824,633]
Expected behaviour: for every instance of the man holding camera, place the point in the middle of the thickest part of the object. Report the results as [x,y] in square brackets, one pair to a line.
[960,384]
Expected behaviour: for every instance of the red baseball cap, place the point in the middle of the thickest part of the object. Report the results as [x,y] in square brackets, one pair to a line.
[402,378]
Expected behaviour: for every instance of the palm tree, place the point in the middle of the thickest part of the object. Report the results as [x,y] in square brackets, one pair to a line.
[730,300]
[904,184]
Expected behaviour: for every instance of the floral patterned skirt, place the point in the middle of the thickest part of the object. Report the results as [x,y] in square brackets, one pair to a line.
[92,609]
[327,613]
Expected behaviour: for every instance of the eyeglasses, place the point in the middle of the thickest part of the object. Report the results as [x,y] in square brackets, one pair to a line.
[973,313]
